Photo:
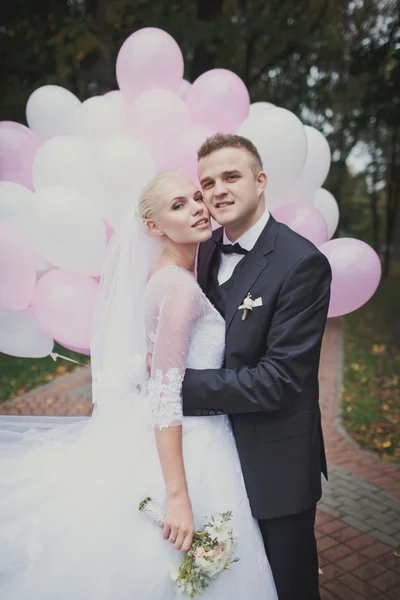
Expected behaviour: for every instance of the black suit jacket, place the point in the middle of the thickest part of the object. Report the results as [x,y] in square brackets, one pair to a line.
[269,382]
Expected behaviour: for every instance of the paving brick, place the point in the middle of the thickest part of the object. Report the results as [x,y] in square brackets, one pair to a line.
[390,502]
[327,595]
[333,512]
[322,518]
[325,543]
[331,571]
[368,503]
[392,594]
[332,526]
[391,560]
[363,541]
[375,550]
[396,525]
[386,581]
[380,517]
[386,539]
[335,553]
[345,534]
[360,525]
[369,570]
[341,590]
[355,584]
[352,561]
[382,527]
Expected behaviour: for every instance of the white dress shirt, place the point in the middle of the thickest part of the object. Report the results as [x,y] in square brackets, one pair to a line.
[247,241]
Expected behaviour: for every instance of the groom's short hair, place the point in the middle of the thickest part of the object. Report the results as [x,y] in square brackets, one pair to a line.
[227,140]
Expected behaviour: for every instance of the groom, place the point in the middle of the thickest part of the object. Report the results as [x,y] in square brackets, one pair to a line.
[269,382]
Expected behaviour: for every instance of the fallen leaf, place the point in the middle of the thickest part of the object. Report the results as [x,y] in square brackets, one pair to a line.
[378,349]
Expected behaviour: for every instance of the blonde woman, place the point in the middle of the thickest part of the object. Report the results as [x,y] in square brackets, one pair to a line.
[69,520]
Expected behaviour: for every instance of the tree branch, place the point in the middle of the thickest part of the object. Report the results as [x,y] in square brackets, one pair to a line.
[290,48]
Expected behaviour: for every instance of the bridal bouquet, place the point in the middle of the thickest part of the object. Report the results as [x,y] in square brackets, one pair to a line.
[210,553]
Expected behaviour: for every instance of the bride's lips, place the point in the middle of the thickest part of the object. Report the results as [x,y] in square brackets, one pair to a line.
[202,223]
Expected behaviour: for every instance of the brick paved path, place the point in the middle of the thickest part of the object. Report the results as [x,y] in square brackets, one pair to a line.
[358,521]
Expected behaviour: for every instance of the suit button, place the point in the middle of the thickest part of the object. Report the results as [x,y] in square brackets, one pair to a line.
[212,412]
[198,412]
[205,412]
[220,412]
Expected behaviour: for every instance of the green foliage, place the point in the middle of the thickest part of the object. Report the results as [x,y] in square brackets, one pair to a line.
[20,375]
[371,391]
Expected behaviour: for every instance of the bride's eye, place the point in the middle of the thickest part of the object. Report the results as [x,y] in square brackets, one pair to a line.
[177,206]
[199,198]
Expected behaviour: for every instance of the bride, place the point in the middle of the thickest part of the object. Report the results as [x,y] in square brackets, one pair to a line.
[70,528]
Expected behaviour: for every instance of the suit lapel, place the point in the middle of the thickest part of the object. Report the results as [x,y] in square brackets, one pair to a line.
[207,252]
[256,261]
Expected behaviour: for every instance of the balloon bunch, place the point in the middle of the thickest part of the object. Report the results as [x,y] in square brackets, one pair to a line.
[67,180]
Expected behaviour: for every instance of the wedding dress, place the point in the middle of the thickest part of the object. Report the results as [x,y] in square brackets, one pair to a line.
[70,528]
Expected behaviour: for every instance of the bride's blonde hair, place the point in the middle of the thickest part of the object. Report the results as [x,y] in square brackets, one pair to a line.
[150,197]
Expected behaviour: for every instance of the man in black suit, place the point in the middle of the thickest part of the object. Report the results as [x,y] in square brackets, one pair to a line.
[269,382]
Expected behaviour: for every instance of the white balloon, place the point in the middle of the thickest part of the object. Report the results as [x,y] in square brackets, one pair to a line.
[49,110]
[117,97]
[121,166]
[98,117]
[280,138]
[63,160]
[316,167]
[16,207]
[258,107]
[68,230]
[326,204]
[21,334]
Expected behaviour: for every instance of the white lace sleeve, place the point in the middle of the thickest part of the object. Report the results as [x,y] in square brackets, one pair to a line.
[174,299]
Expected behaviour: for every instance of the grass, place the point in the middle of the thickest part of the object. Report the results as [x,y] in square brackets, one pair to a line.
[371,393]
[20,375]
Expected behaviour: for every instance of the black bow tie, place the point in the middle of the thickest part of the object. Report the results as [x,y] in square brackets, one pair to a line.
[231,248]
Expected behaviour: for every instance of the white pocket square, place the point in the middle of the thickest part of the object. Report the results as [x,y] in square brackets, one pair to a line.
[257,302]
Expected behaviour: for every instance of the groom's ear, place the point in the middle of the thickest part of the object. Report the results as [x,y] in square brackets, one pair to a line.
[261,181]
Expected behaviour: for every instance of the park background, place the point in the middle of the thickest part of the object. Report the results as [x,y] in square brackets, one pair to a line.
[336,65]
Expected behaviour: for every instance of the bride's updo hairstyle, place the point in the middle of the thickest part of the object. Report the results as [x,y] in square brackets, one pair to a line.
[151,195]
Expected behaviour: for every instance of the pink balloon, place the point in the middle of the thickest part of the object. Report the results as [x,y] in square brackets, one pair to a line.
[74,349]
[15,125]
[356,272]
[219,99]
[18,148]
[17,268]
[150,58]
[154,116]
[303,219]
[183,89]
[63,304]
[180,151]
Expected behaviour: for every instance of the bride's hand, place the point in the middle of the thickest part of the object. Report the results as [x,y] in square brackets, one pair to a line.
[179,522]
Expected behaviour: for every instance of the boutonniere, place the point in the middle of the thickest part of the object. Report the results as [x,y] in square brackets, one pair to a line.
[247,306]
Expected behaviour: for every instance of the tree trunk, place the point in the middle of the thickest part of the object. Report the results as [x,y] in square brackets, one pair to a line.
[204,57]
[373,196]
[393,195]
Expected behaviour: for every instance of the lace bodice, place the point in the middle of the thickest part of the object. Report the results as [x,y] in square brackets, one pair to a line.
[183,330]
